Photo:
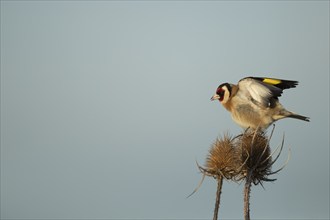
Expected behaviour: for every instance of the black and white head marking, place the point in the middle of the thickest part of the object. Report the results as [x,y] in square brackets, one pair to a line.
[224,92]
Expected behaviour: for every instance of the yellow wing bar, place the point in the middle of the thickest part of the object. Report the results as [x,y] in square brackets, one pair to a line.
[272,81]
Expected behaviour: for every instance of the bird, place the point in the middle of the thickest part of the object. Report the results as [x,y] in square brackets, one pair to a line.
[253,102]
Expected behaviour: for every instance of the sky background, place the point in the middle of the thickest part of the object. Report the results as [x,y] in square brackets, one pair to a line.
[105,106]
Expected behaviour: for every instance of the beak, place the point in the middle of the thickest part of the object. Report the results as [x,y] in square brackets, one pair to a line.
[215,97]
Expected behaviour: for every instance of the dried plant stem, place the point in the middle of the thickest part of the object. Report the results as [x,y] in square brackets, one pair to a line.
[247,190]
[217,201]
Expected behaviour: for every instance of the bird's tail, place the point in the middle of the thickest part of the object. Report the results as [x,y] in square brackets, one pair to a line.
[296,116]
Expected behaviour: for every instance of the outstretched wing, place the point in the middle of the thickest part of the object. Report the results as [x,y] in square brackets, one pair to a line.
[263,90]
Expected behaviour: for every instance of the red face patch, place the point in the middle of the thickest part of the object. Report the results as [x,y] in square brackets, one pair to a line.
[219,90]
[221,93]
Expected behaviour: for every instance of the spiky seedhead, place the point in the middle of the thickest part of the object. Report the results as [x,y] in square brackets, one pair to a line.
[255,156]
[223,159]
[246,156]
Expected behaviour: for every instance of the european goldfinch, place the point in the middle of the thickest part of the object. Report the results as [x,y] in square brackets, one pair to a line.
[253,102]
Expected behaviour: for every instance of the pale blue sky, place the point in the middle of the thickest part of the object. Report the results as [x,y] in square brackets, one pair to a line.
[105,106]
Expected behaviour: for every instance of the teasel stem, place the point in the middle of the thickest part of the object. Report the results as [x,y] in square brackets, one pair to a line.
[217,201]
[247,190]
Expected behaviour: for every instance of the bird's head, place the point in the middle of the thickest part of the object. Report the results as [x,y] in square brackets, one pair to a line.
[222,93]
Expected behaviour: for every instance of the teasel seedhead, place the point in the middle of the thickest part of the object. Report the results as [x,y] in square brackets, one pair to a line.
[256,156]
[223,158]
[222,162]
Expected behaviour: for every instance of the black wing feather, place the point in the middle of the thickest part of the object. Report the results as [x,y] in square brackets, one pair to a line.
[284,84]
